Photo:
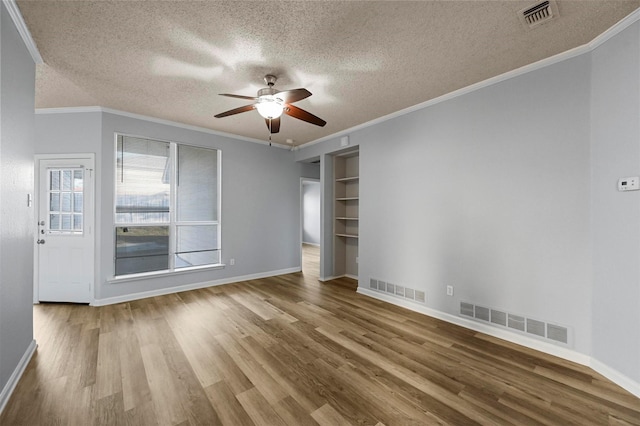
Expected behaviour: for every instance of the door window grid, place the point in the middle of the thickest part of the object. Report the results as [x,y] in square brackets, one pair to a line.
[65,201]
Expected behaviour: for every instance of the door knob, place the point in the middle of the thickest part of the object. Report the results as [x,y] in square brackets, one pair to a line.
[40,242]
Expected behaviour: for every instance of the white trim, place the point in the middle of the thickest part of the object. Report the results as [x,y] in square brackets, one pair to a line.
[572,53]
[329,278]
[36,203]
[16,375]
[335,277]
[548,348]
[21,26]
[616,377]
[68,110]
[195,286]
[301,230]
[518,339]
[164,273]
[586,48]
[76,110]
[620,26]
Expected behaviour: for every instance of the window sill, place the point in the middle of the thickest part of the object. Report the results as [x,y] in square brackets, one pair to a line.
[158,274]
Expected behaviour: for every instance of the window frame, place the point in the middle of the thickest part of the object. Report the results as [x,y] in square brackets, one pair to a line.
[173,222]
[66,232]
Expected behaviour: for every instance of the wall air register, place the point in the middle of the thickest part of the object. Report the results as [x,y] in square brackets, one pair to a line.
[515,322]
[398,291]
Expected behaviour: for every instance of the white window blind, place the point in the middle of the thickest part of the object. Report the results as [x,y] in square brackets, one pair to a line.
[166,207]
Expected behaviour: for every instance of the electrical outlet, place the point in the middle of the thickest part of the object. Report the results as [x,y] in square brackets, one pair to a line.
[232,262]
[449,290]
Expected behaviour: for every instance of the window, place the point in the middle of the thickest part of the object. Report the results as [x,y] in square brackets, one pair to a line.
[65,201]
[167,206]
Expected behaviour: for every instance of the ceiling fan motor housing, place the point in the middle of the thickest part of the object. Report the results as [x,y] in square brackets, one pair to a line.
[267,91]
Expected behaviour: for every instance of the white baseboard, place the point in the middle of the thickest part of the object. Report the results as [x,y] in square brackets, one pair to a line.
[548,348]
[194,286]
[16,375]
[353,277]
[616,377]
[329,278]
[523,340]
[311,244]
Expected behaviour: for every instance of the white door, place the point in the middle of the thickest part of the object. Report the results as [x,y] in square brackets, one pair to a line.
[65,234]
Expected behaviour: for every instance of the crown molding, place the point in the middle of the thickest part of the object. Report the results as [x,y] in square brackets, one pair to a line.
[580,50]
[77,110]
[620,26]
[18,21]
[560,57]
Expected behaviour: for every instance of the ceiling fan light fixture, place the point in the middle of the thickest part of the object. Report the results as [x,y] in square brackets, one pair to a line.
[270,106]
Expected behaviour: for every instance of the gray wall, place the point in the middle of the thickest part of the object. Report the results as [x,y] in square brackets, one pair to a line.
[508,193]
[311,212]
[489,193]
[615,147]
[17,80]
[260,196]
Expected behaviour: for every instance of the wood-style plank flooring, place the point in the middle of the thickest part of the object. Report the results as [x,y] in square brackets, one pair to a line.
[289,350]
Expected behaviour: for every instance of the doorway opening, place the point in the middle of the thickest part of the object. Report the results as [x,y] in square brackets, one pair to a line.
[310,224]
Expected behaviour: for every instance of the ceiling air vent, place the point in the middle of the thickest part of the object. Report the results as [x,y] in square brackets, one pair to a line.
[539,13]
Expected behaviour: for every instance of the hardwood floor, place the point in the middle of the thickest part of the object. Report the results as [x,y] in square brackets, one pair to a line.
[289,350]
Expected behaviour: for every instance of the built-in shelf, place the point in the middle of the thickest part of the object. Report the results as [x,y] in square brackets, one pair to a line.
[348,179]
[346,211]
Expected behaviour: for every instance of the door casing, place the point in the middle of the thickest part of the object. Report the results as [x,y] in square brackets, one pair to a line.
[90,158]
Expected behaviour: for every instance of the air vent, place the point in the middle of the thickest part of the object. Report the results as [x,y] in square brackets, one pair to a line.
[466,309]
[499,317]
[557,333]
[516,322]
[482,313]
[373,284]
[538,13]
[535,327]
[398,291]
[409,293]
[391,288]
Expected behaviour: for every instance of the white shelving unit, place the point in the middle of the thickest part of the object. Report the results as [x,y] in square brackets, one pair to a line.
[345,228]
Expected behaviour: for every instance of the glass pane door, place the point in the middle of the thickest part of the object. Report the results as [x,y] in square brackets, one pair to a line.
[65,201]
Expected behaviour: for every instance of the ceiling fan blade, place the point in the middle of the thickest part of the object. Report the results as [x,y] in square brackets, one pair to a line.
[250,98]
[303,115]
[236,111]
[294,95]
[273,124]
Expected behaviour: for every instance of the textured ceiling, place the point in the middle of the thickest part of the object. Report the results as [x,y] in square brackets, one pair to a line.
[360,59]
